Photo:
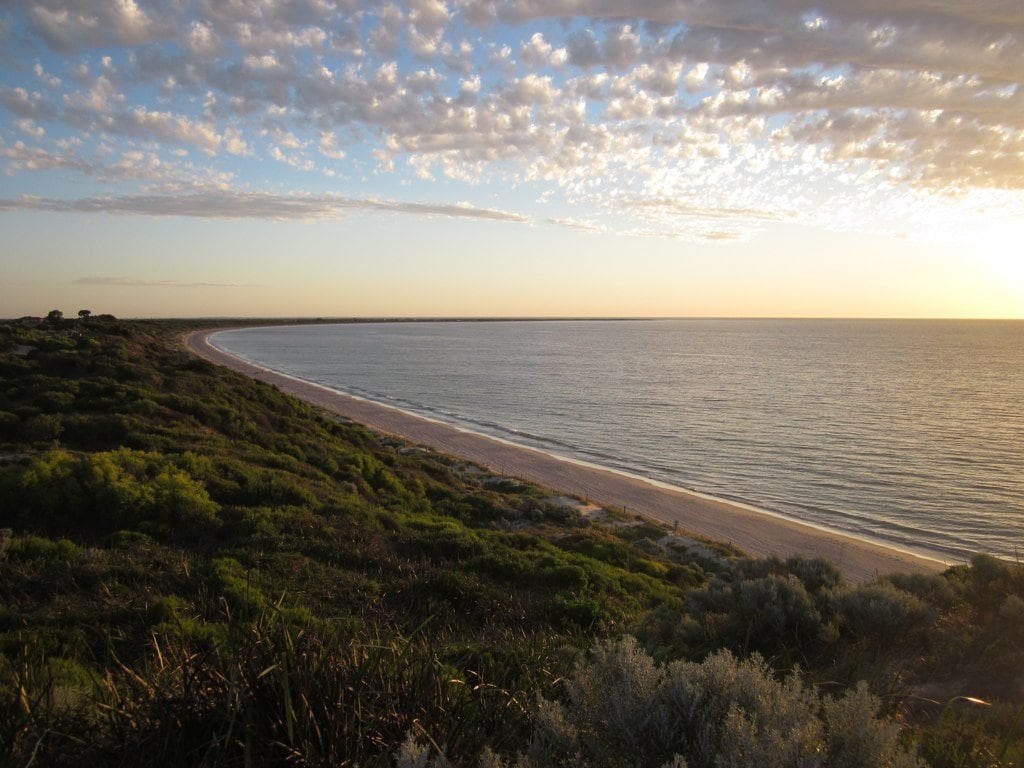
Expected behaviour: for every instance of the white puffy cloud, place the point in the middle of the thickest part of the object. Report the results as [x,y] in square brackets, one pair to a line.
[661,78]
[428,15]
[26,104]
[329,146]
[537,51]
[165,126]
[144,166]
[21,157]
[50,80]
[384,38]
[101,97]
[71,26]
[752,108]
[234,141]
[29,126]
[202,40]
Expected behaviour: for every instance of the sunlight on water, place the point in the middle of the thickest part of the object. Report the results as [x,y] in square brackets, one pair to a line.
[904,431]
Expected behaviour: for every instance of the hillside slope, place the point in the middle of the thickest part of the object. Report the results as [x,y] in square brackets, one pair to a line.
[197,569]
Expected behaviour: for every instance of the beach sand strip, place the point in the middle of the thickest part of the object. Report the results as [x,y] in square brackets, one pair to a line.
[755,532]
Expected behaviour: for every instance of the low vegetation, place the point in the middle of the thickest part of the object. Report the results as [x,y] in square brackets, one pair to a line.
[196,569]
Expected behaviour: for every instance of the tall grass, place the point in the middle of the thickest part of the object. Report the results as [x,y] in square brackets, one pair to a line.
[273,693]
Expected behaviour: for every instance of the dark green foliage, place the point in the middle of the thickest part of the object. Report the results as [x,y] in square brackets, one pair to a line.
[772,615]
[271,692]
[882,611]
[196,569]
[989,580]
[96,494]
[161,509]
[961,735]
[934,589]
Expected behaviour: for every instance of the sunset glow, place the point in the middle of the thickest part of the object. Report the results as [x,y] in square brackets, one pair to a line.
[478,158]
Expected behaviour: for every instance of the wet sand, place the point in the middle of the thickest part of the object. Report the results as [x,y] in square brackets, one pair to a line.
[755,532]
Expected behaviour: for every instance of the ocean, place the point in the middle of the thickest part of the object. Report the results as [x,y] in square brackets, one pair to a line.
[906,432]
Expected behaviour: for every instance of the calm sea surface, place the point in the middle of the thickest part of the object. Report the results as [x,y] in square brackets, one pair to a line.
[908,432]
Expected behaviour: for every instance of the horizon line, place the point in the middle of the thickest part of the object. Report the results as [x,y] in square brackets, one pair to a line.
[325,319]
[555,318]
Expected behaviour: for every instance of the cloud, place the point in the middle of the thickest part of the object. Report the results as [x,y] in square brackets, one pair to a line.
[252,205]
[537,52]
[28,126]
[27,104]
[21,157]
[722,235]
[428,16]
[748,111]
[329,146]
[165,126]
[578,224]
[130,165]
[92,23]
[682,208]
[50,80]
[385,36]
[763,14]
[129,282]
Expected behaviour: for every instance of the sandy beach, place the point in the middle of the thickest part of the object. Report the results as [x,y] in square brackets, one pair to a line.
[755,532]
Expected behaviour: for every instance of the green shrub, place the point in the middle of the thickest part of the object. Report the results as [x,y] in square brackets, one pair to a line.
[990,579]
[772,615]
[883,612]
[97,431]
[39,548]
[620,708]
[44,495]
[107,491]
[43,428]
[935,589]
[816,574]
[10,426]
[969,737]
[130,539]
[576,612]
[55,400]
[235,583]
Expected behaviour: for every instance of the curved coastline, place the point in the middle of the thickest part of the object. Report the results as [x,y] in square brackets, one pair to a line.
[756,531]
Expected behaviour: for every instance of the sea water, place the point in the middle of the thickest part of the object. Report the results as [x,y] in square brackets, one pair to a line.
[907,432]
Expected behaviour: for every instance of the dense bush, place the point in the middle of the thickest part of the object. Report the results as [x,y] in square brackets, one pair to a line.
[197,569]
[882,611]
[620,708]
[99,493]
[773,615]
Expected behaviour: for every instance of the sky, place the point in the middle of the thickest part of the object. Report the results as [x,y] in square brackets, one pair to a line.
[339,158]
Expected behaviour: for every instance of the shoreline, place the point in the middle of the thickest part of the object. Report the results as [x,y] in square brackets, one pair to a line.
[757,532]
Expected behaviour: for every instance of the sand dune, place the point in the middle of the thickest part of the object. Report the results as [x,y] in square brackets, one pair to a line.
[755,532]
